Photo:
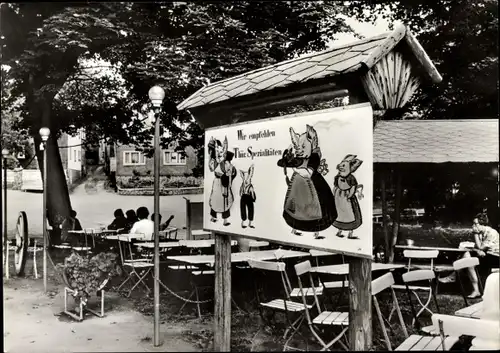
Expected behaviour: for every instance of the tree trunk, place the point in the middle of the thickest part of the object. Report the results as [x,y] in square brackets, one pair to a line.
[58,201]
[396,221]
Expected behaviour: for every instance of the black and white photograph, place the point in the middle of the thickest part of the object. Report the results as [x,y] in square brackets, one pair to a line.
[250,176]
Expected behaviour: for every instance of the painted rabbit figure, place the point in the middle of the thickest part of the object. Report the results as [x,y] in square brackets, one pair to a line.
[347,191]
[247,197]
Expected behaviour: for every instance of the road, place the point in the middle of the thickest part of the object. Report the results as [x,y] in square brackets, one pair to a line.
[94,209]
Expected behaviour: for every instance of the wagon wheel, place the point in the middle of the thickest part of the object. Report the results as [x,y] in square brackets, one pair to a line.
[22,243]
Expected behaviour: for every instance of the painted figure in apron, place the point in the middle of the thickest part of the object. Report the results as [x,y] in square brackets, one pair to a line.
[221,197]
[345,187]
[247,197]
[309,203]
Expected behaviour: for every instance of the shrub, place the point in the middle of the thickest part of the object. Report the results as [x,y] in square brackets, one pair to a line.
[166,182]
[85,274]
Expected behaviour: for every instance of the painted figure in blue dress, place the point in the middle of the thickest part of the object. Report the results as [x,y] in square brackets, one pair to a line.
[345,188]
[309,203]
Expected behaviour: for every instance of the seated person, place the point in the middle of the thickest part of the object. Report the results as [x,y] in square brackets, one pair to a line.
[164,225]
[70,223]
[120,222]
[131,219]
[143,225]
[486,239]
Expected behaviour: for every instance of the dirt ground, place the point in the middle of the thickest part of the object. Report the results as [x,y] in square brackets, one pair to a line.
[33,322]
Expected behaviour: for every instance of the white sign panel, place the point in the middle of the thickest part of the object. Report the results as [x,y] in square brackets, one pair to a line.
[303,180]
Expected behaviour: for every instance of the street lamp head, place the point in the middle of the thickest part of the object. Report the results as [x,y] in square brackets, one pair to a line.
[156,95]
[44,133]
[5,152]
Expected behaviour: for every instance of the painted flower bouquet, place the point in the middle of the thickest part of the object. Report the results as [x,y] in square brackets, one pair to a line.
[86,274]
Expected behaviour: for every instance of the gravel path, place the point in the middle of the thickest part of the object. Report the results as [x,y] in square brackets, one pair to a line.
[33,323]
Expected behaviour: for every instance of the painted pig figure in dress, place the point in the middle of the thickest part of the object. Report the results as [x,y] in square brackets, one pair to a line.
[309,202]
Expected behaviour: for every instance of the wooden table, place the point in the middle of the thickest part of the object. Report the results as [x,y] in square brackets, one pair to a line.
[167,232]
[343,269]
[184,243]
[125,237]
[200,233]
[238,257]
[162,244]
[441,249]
[474,311]
[93,232]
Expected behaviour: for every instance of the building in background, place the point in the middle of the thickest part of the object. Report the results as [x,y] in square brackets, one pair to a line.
[72,154]
[128,161]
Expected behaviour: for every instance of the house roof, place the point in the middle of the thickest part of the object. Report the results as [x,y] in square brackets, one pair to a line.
[436,141]
[335,61]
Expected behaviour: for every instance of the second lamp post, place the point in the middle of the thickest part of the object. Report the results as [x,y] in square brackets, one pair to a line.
[156,95]
[5,155]
[44,134]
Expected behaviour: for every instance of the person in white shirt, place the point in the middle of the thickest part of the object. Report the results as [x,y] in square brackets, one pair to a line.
[143,225]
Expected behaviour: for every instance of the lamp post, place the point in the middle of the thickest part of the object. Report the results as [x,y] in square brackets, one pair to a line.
[156,95]
[44,134]
[5,154]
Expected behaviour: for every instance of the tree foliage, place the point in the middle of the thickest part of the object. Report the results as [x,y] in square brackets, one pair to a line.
[180,46]
[461,38]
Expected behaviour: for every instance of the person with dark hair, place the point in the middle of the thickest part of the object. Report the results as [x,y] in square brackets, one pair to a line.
[120,222]
[143,225]
[131,219]
[70,223]
[164,225]
[486,246]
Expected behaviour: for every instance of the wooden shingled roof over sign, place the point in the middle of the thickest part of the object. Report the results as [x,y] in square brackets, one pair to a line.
[436,141]
[388,76]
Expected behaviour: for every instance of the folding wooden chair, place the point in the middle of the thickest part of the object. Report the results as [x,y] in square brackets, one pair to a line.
[417,254]
[489,307]
[420,254]
[138,267]
[339,286]
[295,292]
[469,263]
[286,305]
[413,342]
[418,276]
[486,333]
[325,318]
[194,274]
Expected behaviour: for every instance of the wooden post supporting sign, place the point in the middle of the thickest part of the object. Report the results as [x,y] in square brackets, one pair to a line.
[360,304]
[188,219]
[222,295]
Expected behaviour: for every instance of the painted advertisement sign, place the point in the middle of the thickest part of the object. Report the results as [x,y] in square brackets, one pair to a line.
[303,180]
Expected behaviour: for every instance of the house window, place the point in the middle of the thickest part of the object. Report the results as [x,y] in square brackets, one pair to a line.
[133,158]
[174,158]
[79,156]
[74,155]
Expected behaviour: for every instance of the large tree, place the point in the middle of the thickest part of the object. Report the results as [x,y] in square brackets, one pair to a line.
[180,46]
[461,38]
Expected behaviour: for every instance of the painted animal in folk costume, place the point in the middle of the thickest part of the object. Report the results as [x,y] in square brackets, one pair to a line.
[247,197]
[347,191]
[221,197]
[309,203]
